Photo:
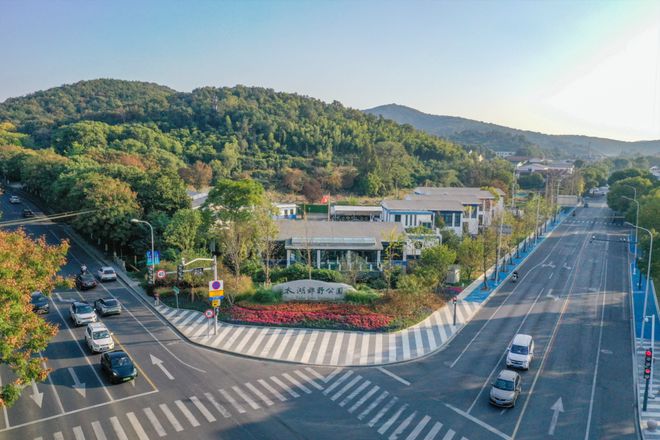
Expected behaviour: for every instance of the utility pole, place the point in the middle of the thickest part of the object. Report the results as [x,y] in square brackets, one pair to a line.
[499,245]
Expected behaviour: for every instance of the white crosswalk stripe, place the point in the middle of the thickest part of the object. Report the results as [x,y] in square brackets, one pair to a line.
[420,426]
[338,382]
[296,383]
[345,388]
[170,417]
[272,390]
[259,394]
[237,406]
[382,412]
[245,397]
[383,429]
[154,422]
[402,427]
[357,391]
[116,425]
[364,398]
[373,405]
[136,426]
[98,431]
[221,409]
[434,431]
[304,377]
[200,406]
[78,433]
[186,413]
[58,436]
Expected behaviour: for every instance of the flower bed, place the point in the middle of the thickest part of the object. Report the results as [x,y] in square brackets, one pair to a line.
[325,315]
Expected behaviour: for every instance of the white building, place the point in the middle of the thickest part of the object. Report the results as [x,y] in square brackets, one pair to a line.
[356,213]
[286,211]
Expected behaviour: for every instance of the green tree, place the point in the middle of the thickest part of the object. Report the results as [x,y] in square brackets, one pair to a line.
[622,188]
[434,263]
[183,231]
[469,255]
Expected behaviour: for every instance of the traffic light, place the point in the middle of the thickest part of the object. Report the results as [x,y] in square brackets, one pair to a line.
[648,361]
[179,273]
[150,274]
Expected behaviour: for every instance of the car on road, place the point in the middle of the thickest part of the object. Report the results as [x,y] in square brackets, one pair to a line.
[106,273]
[107,306]
[99,338]
[118,366]
[85,281]
[505,390]
[521,352]
[82,313]
[14,199]
[27,213]
[40,302]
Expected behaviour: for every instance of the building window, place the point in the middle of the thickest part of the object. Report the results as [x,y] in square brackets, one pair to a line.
[457,219]
[397,218]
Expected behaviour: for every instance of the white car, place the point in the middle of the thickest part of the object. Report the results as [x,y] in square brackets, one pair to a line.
[14,199]
[106,273]
[98,338]
[82,313]
[521,352]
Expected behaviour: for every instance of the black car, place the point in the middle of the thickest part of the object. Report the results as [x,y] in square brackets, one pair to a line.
[85,281]
[107,306]
[27,213]
[40,303]
[118,366]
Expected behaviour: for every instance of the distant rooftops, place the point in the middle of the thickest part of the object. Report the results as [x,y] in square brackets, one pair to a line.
[423,204]
[457,192]
[329,235]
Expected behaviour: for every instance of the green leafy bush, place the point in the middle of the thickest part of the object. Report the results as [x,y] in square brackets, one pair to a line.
[267,296]
[365,295]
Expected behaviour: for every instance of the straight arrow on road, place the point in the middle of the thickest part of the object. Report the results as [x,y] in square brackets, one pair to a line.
[156,361]
[77,385]
[558,407]
[36,395]
[550,295]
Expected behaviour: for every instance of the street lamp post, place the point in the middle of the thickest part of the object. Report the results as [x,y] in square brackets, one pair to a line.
[636,223]
[648,275]
[153,255]
[499,245]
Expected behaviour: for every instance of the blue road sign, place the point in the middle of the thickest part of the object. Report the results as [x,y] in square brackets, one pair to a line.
[216,297]
[149,260]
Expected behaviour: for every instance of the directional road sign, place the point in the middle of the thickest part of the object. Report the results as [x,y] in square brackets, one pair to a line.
[150,261]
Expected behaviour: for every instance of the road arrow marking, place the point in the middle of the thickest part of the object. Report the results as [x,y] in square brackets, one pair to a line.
[566,266]
[36,395]
[77,385]
[60,299]
[550,265]
[550,295]
[557,408]
[156,361]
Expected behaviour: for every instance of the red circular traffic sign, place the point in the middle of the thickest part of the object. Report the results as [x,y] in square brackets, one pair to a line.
[208,313]
[161,274]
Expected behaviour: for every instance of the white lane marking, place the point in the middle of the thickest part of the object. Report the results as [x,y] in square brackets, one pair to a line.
[77,385]
[304,377]
[449,435]
[382,412]
[78,433]
[378,351]
[180,316]
[296,345]
[121,435]
[259,394]
[345,388]
[203,326]
[154,422]
[383,429]
[221,409]
[323,347]
[406,344]
[373,405]
[136,426]
[58,436]
[232,401]
[331,376]
[217,340]
[315,374]
[186,412]
[4,407]
[402,427]
[336,349]
[257,342]
[419,345]
[393,376]
[200,406]
[364,349]
[479,422]
[392,348]
[271,341]
[350,350]
[338,382]
[168,414]
[192,328]
[233,338]
[245,339]
[272,390]
[284,341]
[245,397]
[363,399]
[285,387]
[98,431]
[190,318]
[296,383]
[159,364]
[434,431]
[355,392]
[551,274]
[309,347]
[420,426]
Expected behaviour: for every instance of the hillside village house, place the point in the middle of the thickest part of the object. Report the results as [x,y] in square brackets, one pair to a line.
[424,212]
[356,213]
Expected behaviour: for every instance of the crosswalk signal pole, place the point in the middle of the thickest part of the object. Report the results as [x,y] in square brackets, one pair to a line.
[454,301]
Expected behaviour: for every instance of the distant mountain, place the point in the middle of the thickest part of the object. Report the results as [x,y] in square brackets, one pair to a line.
[470,133]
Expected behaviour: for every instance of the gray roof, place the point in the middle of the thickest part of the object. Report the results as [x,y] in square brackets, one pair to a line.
[454,191]
[423,204]
[349,209]
[463,200]
[300,234]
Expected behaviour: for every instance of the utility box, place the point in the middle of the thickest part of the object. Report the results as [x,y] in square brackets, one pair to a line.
[454,274]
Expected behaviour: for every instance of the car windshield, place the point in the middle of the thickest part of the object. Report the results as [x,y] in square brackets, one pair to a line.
[120,361]
[519,349]
[108,271]
[504,384]
[84,308]
[109,302]
[101,334]
[87,277]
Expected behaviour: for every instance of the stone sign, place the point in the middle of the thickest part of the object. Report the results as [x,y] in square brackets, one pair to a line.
[312,290]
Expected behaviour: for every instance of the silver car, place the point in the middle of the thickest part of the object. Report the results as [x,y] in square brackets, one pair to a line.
[107,306]
[82,313]
[506,389]
[106,273]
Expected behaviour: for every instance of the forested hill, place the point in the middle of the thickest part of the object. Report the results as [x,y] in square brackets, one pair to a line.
[282,139]
[499,138]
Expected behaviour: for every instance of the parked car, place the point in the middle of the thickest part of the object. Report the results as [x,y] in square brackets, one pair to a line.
[506,389]
[27,213]
[521,352]
[85,281]
[118,366]
[107,306]
[99,338]
[106,273]
[82,313]
[14,199]
[40,302]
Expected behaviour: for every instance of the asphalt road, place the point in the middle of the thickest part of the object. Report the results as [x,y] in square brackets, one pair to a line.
[572,298]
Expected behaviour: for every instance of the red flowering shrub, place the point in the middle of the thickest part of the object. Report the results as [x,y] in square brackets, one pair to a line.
[326,315]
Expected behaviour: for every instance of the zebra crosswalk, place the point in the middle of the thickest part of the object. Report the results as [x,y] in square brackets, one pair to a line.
[324,347]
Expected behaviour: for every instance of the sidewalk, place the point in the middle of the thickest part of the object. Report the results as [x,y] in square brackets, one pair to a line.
[329,347]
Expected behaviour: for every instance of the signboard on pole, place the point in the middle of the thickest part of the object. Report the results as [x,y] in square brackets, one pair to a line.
[161,274]
[176,290]
[215,303]
[216,289]
[150,260]
[209,313]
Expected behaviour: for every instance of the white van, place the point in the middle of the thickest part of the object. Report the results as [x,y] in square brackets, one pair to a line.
[521,352]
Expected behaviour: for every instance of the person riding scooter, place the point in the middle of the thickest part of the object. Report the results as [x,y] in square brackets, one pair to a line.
[514,276]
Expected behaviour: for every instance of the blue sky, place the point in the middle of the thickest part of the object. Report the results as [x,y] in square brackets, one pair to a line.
[577,67]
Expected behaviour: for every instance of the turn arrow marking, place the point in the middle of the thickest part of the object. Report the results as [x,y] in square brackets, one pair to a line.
[557,408]
[77,385]
[156,361]
[550,295]
[36,395]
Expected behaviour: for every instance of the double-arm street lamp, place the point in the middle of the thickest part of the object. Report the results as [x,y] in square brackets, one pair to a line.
[153,255]
[648,274]
[639,285]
